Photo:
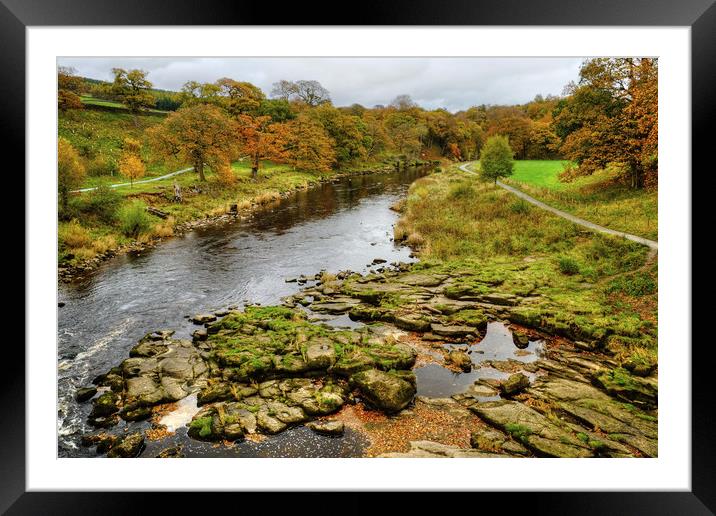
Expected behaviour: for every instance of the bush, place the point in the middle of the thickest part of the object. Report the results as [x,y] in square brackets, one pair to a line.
[104,203]
[520,207]
[100,165]
[74,236]
[134,219]
[462,191]
[568,265]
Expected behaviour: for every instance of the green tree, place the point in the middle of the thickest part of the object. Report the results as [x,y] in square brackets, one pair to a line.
[132,89]
[496,159]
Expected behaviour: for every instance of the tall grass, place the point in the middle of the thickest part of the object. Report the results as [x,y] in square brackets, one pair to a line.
[133,219]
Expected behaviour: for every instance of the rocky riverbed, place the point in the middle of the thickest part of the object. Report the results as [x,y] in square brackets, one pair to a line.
[526,379]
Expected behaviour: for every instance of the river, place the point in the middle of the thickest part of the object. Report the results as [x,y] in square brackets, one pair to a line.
[334,226]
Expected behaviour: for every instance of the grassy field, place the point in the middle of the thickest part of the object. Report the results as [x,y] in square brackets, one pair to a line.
[98,135]
[539,173]
[462,224]
[598,198]
[89,100]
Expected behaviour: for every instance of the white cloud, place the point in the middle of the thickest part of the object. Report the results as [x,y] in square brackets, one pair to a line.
[452,83]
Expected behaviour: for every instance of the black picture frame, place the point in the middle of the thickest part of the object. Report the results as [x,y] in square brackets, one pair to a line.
[699,15]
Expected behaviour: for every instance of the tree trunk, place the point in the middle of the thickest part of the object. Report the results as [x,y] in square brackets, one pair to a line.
[199,167]
[255,168]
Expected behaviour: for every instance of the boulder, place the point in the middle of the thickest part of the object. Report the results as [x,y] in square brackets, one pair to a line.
[460,359]
[129,446]
[412,322]
[200,334]
[286,414]
[320,354]
[514,384]
[386,391]
[203,318]
[327,427]
[173,452]
[135,413]
[214,392]
[520,339]
[268,423]
[85,394]
[103,421]
[106,405]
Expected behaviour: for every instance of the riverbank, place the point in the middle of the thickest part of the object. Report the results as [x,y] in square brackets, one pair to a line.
[479,350]
[200,208]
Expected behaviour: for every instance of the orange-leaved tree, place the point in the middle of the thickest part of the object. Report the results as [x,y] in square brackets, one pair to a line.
[199,134]
[261,139]
[131,165]
[612,117]
[69,88]
[308,145]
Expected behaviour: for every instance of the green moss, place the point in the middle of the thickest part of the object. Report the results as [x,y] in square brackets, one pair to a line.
[519,432]
[202,426]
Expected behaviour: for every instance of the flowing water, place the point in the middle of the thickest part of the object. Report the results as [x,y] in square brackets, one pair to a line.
[335,226]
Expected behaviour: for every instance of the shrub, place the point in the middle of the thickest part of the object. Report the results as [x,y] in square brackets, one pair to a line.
[520,207]
[462,191]
[134,219]
[568,265]
[74,236]
[103,202]
[100,165]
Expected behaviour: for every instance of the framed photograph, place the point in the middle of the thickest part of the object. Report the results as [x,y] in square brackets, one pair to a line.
[269,252]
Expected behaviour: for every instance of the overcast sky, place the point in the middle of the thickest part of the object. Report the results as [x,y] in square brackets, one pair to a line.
[451,83]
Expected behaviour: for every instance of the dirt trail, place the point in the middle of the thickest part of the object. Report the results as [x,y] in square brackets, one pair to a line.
[591,225]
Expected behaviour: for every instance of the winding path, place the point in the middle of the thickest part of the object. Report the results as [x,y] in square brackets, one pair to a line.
[165,176]
[594,227]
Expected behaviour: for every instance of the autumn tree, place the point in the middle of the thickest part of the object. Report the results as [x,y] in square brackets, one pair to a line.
[69,87]
[347,131]
[611,117]
[131,165]
[496,158]
[311,93]
[200,134]
[239,97]
[517,128]
[308,145]
[70,170]
[193,92]
[261,139]
[376,136]
[405,132]
[132,88]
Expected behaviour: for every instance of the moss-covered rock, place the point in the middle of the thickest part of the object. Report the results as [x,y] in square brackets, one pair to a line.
[105,405]
[128,446]
[386,391]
